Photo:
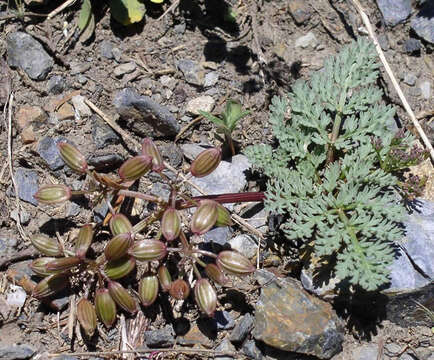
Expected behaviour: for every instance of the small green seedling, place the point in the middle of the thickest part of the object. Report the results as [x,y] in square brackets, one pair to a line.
[228,121]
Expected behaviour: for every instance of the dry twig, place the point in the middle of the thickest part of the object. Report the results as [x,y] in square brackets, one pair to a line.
[393,78]
[60,8]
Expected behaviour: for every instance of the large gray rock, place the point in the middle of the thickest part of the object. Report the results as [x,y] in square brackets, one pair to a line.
[47,149]
[164,337]
[144,116]
[394,11]
[16,352]
[423,22]
[242,329]
[289,319]
[28,54]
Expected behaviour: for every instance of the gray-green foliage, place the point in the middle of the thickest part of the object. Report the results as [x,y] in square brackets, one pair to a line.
[324,174]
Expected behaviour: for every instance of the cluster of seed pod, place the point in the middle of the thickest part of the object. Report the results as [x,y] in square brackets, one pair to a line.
[127,249]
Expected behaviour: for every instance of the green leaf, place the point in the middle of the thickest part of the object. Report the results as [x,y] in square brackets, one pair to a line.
[219,122]
[127,11]
[85,14]
[157,1]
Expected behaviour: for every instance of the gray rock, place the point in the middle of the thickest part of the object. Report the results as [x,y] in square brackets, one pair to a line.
[106,49]
[168,81]
[79,67]
[384,42]
[225,346]
[160,338]
[28,54]
[102,134]
[27,183]
[192,71]
[205,103]
[412,45]
[56,85]
[299,10]
[251,350]
[224,320]
[126,68]
[65,357]
[16,352]
[144,116]
[289,319]
[425,88]
[219,235]
[47,149]
[7,244]
[24,216]
[410,79]
[180,28]
[117,54]
[244,244]
[160,189]
[307,40]
[106,162]
[242,329]
[172,153]
[80,106]
[82,79]
[72,209]
[394,11]
[229,177]
[191,150]
[423,22]
[264,277]
[365,352]
[100,211]
[211,79]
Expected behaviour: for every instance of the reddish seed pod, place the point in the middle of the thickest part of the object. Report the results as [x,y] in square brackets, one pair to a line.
[149,148]
[134,168]
[215,274]
[53,194]
[206,162]
[105,307]
[63,264]
[38,266]
[122,297]
[204,217]
[234,263]
[86,315]
[119,224]
[171,224]
[148,290]
[49,286]
[46,245]
[206,297]
[84,239]
[179,289]
[72,157]
[118,246]
[165,278]
[148,250]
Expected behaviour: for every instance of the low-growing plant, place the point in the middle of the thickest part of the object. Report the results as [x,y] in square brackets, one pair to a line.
[164,257]
[338,168]
[228,120]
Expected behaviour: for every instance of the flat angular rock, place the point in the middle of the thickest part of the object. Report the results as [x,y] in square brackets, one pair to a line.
[251,350]
[244,244]
[47,149]
[423,22]
[102,134]
[289,319]
[192,71]
[144,116]
[242,329]
[299,10]
[160,338]
[394,11]
[106,162]
[219,235]
[28,54]
[27,183]
[16,352]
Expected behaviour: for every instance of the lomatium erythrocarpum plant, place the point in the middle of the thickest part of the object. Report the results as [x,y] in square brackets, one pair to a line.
[128,248]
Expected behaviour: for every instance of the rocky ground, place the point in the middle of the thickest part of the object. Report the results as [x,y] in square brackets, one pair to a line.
[151,79]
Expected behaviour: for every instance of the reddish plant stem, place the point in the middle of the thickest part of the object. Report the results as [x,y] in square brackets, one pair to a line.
[223,198]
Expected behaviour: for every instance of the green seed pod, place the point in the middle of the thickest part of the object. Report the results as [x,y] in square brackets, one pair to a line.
[148,290]
[223,216]
[49,286]
[204,217]
[105,307]
[148,250]
[149,149]
[84,239]
[206,297]
[234,263]
[165,278]
[63,264]
[215,274]
[46,245]
[38,266]
[179,289]
[119,224]
[119,268]
[72,157]
[171,224]
[134,168]
[86,315]
[53,194]
[206,162]
[118,246]
[122,297]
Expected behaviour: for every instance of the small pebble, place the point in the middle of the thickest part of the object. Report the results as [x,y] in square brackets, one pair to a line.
[205,103]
